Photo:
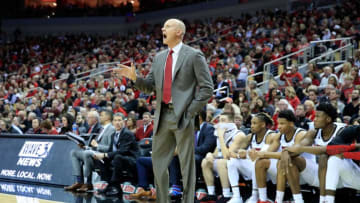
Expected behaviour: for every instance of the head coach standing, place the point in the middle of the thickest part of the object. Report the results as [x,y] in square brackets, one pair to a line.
[181,78]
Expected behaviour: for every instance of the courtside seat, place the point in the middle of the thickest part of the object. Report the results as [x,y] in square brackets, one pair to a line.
[145,146]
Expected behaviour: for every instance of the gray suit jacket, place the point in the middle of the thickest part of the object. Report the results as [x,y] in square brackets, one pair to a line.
[192,85]
[104,143]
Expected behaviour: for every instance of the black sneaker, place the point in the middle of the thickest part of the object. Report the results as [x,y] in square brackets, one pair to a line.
[223,199]
[209,199]
[113,191]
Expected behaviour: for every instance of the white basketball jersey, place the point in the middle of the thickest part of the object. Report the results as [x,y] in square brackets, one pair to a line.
[319,141]
[257,146]
[291,142]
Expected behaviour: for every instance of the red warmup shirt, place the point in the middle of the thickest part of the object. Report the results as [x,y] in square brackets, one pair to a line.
[53,131]
[275,117]
[290,76]
[121,110]
[357,80]
[347,92]
[311,115]
[294,101]
[275,56]
[77,102]
[32,93]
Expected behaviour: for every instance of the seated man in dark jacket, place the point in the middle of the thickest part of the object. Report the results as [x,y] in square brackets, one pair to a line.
[123,156]
[205,141]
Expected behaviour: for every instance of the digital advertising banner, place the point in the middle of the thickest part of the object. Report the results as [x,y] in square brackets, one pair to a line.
[17,192]
[36,158]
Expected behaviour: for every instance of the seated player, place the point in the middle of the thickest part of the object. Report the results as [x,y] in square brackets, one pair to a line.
[260,138]
[304,167]
[228,139]
[266,163]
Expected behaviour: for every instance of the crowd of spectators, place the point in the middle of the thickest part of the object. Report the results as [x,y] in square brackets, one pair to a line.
[40,93]
[234,48]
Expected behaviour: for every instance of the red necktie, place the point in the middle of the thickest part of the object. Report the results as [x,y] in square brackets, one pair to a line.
[90,129]
[168,78]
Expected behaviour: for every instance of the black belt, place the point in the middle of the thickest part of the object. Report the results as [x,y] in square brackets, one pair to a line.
[167,106]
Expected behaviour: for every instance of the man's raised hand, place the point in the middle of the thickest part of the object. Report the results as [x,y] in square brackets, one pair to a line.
[126,71]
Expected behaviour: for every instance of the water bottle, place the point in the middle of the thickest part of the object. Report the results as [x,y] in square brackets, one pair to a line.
[74,128]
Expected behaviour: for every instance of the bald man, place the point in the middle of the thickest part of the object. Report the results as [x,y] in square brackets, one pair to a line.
[181,78]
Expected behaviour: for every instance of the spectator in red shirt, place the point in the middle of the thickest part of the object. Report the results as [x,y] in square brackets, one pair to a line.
[290,75]
[310,109]
[290,95]
[47,128]
[347,89]
[146,129]
[276,54]
[118,109]
[313,70]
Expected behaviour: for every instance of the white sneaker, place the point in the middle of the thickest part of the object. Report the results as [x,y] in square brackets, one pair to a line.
[252,199]
[235,200]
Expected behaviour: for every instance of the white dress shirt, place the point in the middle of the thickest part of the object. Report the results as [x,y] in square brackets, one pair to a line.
[175,56]
[102,132]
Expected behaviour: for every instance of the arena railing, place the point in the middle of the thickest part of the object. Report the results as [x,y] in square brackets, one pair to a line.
[305,56]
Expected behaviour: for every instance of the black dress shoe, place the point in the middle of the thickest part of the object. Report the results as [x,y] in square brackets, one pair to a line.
[209,199]
[113,191]
[224,199]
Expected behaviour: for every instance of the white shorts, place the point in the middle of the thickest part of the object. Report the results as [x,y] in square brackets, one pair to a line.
[215,168]
[272,171]
[310,174]
[270,175]
[342,173]
[244,166]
